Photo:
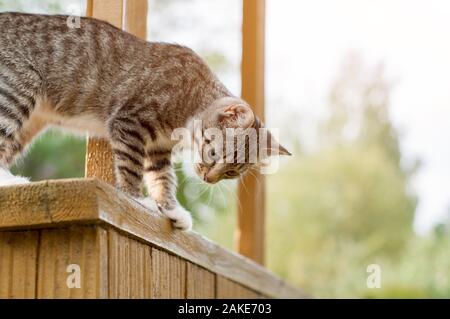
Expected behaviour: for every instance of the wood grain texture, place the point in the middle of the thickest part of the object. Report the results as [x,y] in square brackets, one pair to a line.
[18,256]
[94,202]
[136,17]
[100,160]
[83,246]
[24,205]
[129,267]
[200,283]
[48,203]
[227,289]
[250,230]
[168,276]
[107,10]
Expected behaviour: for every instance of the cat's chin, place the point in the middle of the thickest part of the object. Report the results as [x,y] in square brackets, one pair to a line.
[8,179]
[179,216]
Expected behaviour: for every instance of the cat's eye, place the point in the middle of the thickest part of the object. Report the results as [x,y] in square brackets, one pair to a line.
[207,141]
[232,174]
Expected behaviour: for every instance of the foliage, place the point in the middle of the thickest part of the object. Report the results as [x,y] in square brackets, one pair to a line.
[54,155]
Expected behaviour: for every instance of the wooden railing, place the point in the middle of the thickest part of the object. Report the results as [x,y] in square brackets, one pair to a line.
[50,228]
[52,231]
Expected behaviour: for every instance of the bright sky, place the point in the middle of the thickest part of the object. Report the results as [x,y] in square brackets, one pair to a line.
[307,41]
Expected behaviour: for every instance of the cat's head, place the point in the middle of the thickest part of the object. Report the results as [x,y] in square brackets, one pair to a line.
[232,141]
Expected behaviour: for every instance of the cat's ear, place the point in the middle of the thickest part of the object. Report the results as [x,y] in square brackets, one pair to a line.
[236,116]
[274,148]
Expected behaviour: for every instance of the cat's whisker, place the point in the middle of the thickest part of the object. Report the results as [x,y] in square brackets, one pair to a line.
[205,189]
[233,193]
[185,179]
[253,169]
[243,184]
[210,196]
[252,173]
[224,200]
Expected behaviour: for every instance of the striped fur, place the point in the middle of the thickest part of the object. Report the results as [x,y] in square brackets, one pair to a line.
[104,81]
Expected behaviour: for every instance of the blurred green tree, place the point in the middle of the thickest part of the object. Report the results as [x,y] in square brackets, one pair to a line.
[348,203]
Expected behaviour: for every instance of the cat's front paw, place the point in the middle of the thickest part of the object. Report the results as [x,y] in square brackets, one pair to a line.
[180,217]
[8,179]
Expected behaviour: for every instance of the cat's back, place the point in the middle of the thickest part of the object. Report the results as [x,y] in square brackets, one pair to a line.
[19,19]
[14,22]
[19,29]
[49,41]
[70,55]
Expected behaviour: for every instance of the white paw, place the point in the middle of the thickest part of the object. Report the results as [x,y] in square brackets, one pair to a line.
[7,179]
[180,217]
[148,203]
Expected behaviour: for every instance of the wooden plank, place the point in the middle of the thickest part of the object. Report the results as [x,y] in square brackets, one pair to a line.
[129,267]
[23,205]
[103,204]
[118,257]
[18,256]
[200,283]
[250,239]
[227,289]
[47,203]
[168,275]
[85,247]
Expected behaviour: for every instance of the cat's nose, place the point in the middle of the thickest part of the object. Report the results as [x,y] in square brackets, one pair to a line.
[209,179]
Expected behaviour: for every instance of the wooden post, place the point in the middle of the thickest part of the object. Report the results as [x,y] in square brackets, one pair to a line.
[249,237]
[136,17]
[130,15]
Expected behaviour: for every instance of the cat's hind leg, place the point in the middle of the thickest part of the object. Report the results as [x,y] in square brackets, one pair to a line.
[12,145]
[20,84]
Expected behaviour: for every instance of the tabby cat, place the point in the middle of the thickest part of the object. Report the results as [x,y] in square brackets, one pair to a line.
[104,81]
